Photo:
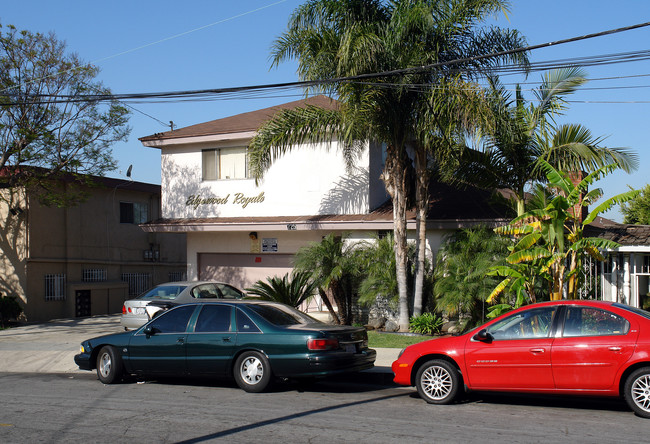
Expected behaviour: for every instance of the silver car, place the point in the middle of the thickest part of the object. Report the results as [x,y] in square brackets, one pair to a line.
[137,312]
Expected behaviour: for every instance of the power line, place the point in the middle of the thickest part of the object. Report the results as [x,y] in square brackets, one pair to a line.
[189,32]
[207,94]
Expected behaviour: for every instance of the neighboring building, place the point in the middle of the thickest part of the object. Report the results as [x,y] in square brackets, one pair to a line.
[239,231]
[625,275]
[86,259]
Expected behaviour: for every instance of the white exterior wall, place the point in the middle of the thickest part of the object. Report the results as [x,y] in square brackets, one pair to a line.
[311,180]
[289,242]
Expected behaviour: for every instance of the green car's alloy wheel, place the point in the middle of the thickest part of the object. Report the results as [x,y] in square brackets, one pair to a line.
[109,365]
[637,392]
[437,381]
[252,371]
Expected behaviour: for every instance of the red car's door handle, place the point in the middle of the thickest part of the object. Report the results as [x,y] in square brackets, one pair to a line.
[615,348]
[537,350]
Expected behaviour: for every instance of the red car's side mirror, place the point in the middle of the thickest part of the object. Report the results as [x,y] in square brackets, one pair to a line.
[483,336]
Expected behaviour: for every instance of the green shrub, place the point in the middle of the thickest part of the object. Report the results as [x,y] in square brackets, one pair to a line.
[425,324]
[289,289]
[9,309]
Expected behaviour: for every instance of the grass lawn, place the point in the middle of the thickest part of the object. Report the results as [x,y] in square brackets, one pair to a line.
[388,340]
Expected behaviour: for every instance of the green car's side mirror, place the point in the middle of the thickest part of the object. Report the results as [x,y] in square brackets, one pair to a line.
[149,330]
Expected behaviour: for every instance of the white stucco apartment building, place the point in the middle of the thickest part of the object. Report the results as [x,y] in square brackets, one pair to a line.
[239,231]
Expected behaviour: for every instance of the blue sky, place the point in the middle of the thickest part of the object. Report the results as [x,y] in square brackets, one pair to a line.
[154,46]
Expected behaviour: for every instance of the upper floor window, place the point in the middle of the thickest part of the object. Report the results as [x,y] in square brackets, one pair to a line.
[133,213]
[225,163]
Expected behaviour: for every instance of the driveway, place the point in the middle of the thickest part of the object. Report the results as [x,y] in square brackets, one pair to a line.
[50,347]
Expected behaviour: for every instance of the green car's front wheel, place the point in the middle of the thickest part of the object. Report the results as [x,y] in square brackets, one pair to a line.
[109,365]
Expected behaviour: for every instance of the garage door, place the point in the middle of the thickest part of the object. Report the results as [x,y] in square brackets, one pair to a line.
[243,270]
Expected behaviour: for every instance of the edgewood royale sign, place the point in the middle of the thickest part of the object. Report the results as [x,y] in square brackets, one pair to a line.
[196,200]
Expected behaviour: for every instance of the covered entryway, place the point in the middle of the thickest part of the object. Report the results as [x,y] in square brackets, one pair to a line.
[242,270]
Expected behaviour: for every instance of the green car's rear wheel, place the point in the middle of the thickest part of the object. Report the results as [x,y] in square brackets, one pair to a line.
[252,371]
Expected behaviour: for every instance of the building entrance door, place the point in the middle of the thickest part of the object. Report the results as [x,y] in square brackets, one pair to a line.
[82,303]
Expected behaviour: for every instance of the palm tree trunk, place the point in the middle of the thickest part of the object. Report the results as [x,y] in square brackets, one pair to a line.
[328,304]
[422,201]
[395,180]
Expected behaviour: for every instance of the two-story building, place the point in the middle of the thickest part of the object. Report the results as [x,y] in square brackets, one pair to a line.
[239,231]
[85,259]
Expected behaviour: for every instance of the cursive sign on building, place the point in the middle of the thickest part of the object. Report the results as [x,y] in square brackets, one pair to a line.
[196,200]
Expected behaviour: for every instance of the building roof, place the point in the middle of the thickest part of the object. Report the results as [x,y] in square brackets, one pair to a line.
[250,121]
[84,180]
[624,234]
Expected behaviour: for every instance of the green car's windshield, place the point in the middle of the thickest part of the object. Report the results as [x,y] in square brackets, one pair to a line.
[163,292]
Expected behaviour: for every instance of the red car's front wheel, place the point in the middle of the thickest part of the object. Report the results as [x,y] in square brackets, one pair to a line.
[437,382]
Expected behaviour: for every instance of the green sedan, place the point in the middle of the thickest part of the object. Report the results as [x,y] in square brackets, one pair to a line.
[252,341]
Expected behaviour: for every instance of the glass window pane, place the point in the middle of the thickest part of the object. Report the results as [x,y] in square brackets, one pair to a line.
[209,164]
[244,323]
[213,318]
[527,324]
[583,321]
[174,321]
[232,163]
[229,292]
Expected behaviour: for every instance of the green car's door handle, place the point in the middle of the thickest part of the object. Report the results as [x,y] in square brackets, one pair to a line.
[226,339]
[180,340]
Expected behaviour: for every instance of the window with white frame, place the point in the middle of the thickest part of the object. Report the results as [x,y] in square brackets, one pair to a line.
[55,287]
[225,164]
[134,212]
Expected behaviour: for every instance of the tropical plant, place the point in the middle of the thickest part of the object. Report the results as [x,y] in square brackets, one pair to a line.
[377,259]
[427,106]
[525,133]
[637,210]
[333,265]
[462,283]
[426,324]
[552,240]
[291,289]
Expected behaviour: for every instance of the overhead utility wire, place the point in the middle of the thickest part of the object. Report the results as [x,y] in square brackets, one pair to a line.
[155,43]
[311,83]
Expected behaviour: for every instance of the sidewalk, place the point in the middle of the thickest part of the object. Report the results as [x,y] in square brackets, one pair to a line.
[50,347]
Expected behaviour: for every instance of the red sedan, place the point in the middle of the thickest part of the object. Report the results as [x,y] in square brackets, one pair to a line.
[563,347]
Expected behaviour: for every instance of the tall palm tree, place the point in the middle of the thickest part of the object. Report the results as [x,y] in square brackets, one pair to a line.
[424,109]
[524,134]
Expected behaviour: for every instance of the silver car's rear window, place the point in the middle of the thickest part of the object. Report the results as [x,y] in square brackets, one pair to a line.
[163,292]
